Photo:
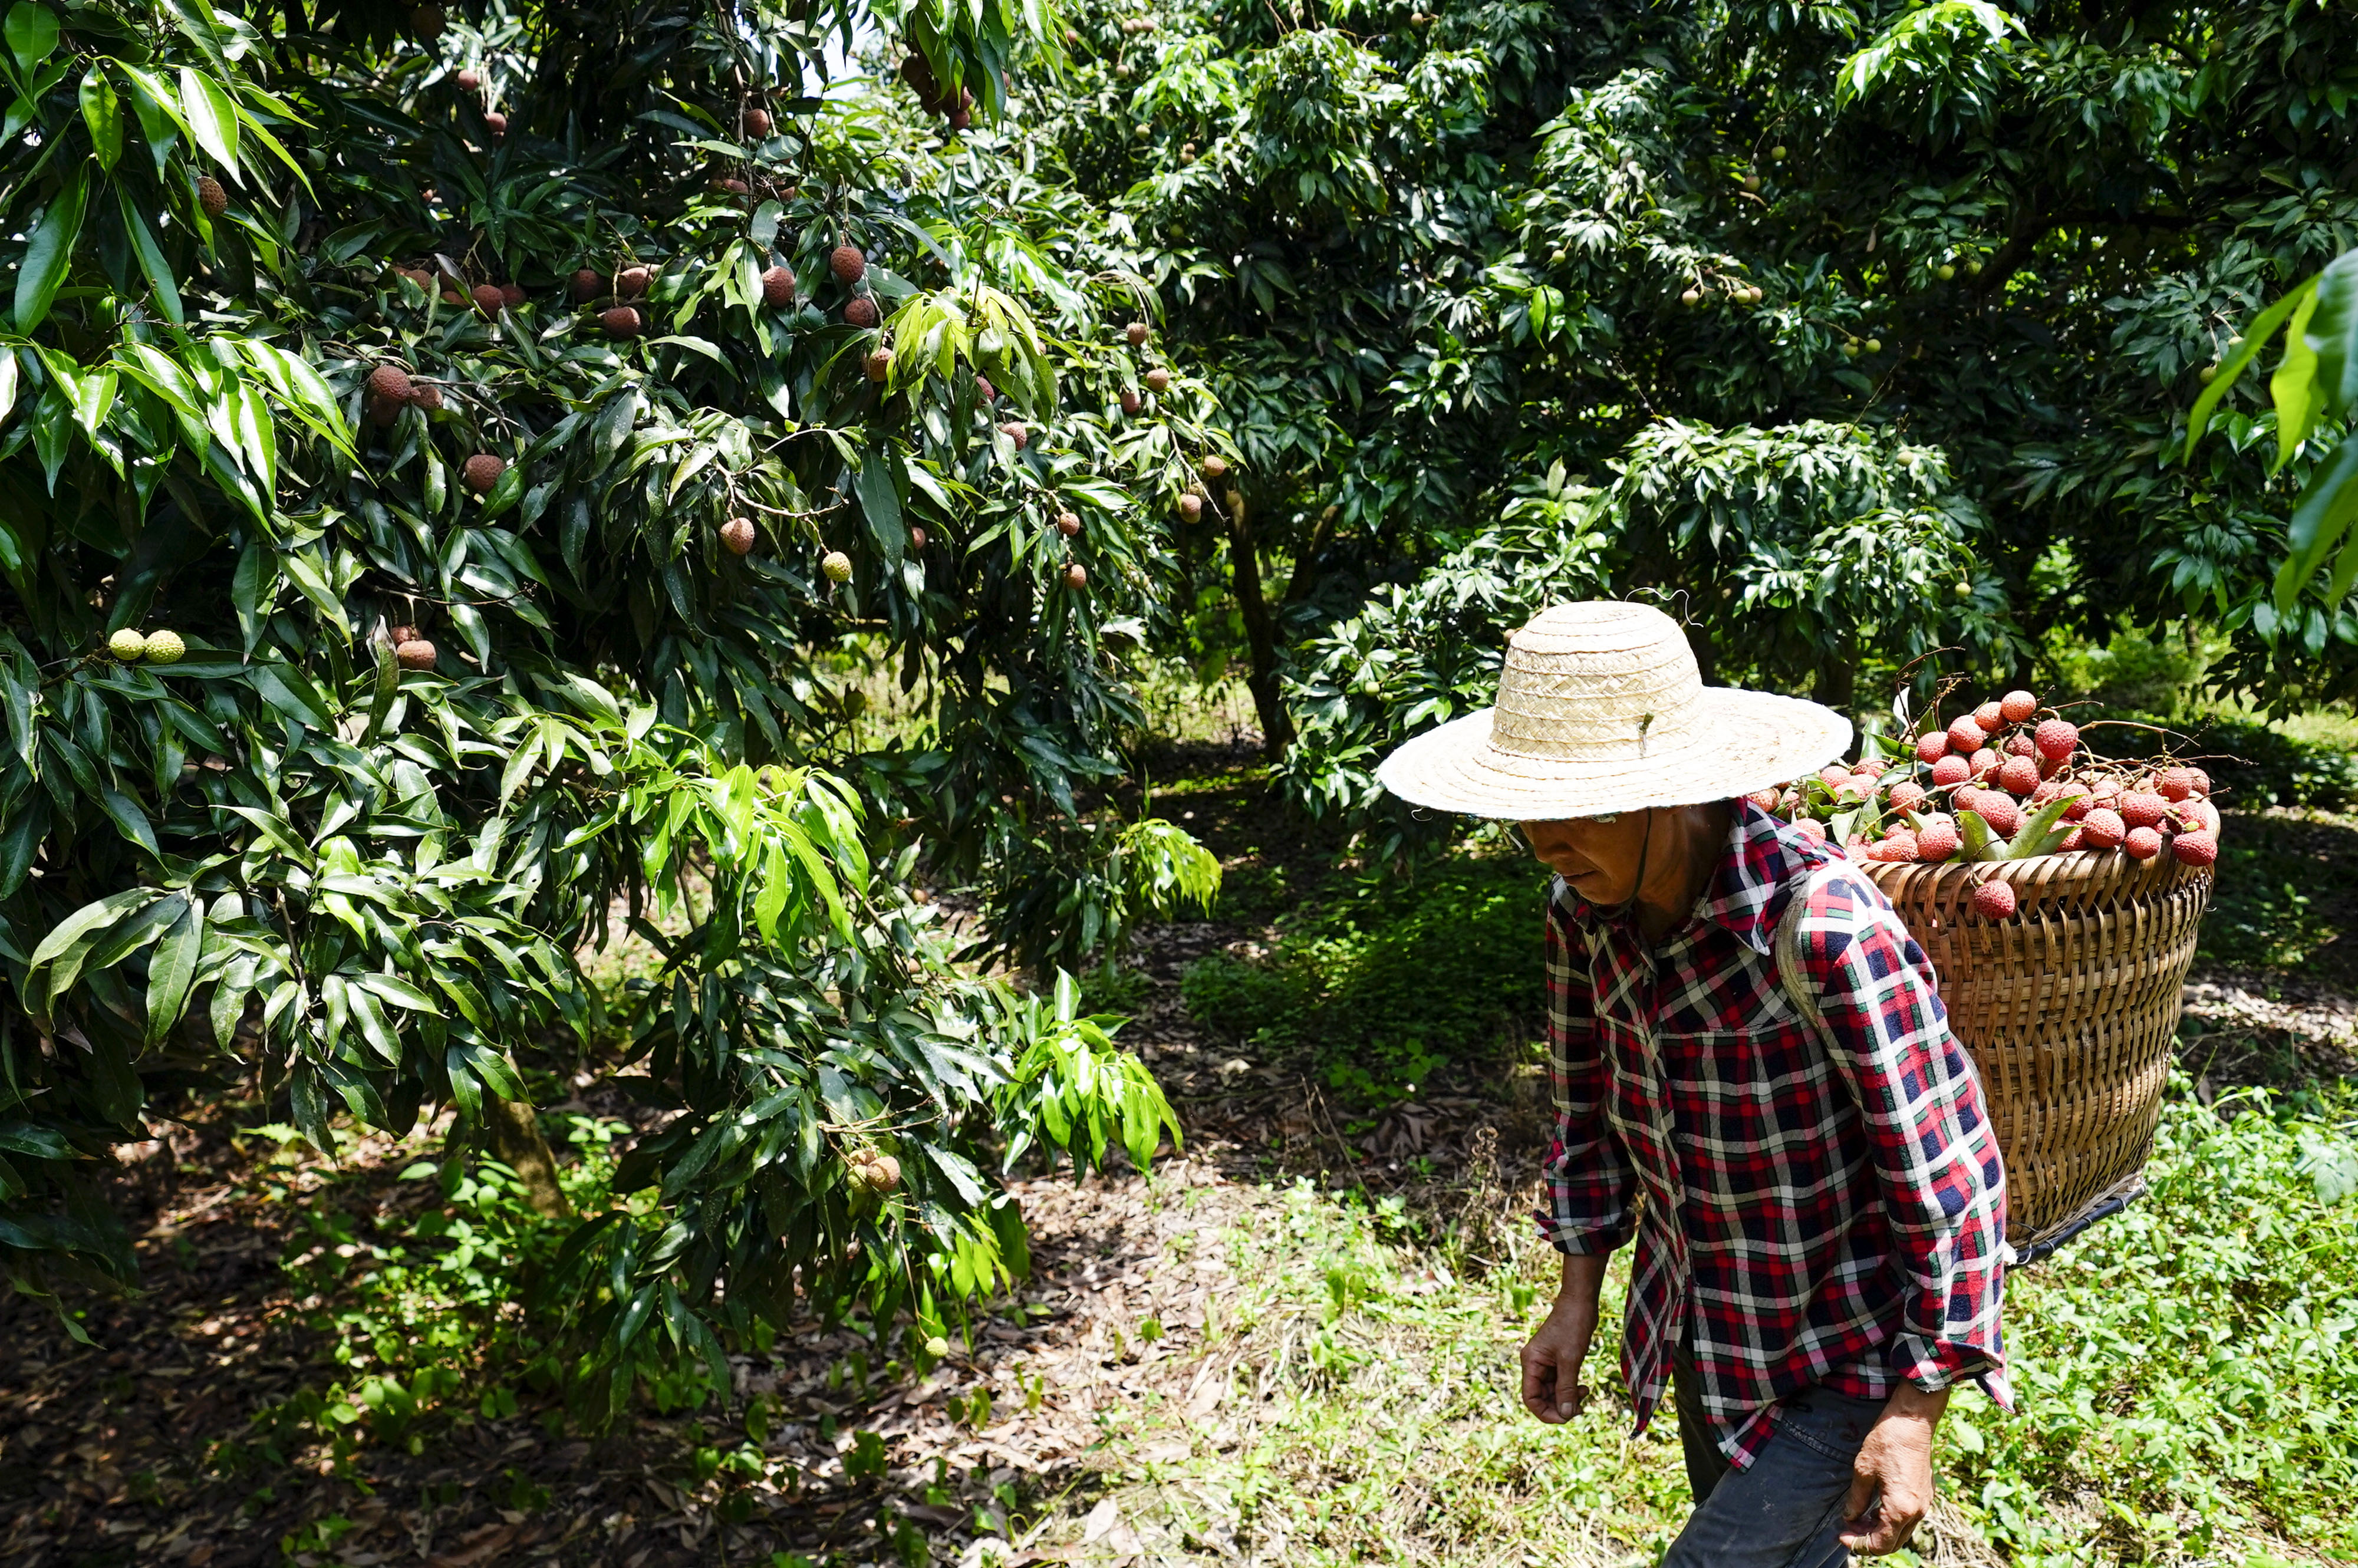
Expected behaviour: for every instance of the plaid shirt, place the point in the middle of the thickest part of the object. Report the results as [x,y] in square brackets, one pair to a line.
[1811,1210]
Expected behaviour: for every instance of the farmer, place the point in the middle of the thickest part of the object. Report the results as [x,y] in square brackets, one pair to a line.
[1753,1078]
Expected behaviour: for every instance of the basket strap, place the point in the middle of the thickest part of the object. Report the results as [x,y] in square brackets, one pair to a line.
[1792,974]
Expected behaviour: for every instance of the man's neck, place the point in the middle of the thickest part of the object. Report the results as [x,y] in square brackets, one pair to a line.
[1683,847]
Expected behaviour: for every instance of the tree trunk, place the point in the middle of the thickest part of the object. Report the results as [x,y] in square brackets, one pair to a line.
[1836,683]
[1260,630]
[517,1140]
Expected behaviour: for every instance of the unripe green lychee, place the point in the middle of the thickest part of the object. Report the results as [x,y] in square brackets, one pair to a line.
[1874,345]
[1944,271]
[937,1347]
[128,645]
[164,648]
[836,565]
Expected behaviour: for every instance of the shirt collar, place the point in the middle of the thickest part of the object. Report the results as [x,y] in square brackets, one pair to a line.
[1743,896]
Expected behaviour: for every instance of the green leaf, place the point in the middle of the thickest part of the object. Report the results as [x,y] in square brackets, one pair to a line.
[290,691]
[2326,504]
[32,34]
[83,924]
[2255,338]
[173,969]
[2332,334]
[151,260]
[2294,387]
[211,117]
[104,114]
[49,254]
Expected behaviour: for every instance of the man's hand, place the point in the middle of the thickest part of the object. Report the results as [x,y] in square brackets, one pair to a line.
[1552,1390]
[1891,1480]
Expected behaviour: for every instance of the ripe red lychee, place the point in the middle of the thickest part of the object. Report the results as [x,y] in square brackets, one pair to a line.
[1936,841]
[1158,380]
[1872,767]
[738,534]
[495,122]
[513,295]
[2019,745]
[2018,775]
[2078,802]
[382,413]
[2195,848]
[1809,827]
[778,288]
[879,364]
[632,281]
[1951,769]
[211,196]
[1765,799]
[1833,775]
[2004,816]
[2104,827]
[1994,900]
[2017,706]
[483,471]
[1989,716]
[1898,848]
[390,383]
[757,121]
[1138,332]
[2075,839]
[1932,747]
[1076,575]
[1191,507]
[416,654]
[488,298]
[1131,402]
[589,284]
[1984,763]
[1067,523]
[2143,843]
[468,80]
[731,185]
[2175,784]
[917,538]
[984,390]
[2057,739]
[1965,736]
[847,264]
[2202,781]
[861,311]
[425,396]
[1908,796]
[622,321]
[2140,808]
[1016,433]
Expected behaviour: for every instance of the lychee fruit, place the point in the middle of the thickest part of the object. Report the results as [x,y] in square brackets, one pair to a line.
[2104,827]
[847,264]
[881,1173]
[488,298]
[836,565]
[390,384]
[127,645]
[1076,575]
[731,185]
[2004,816]
[778,288]
[1833,775]
[1765,799]
[1932,747]
[1965,736]
[917,538]
[383,415]
[1872,767]
[1989,716]
[2143,843]
[1138,332]
[738,534]
[211,196]
[861,311]
[1898,846]
[1984,763]
[1214,466]
[1995,900]
[2020,745]
[483,471]
[513,295]
[758,122]
[2139,808]
[1015,432]
[1951,769]
[2019,775]
[984,390]
[879,364]
[2075,839]
[588,285]
[468,81]
[417,654]
[1191,507]
[1130,401]
[1158,380]
[1936,841]
[1908,796]
[495,122]
[2175,784]
[2057,739]
[2191,849]
[2202,781]
[1067,524]
[632,281]
[2017,706]
[164,648]
[1809,827]
[621,321]
[425,396]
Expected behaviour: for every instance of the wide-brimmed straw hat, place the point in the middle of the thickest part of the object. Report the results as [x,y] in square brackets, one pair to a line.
[1600,709]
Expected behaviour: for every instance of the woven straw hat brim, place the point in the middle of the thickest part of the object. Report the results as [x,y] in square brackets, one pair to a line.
[1741,742]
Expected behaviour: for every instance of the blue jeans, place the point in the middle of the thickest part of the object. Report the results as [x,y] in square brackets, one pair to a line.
[1786,1510]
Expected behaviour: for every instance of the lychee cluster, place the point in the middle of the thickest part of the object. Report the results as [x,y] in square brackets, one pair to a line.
[958,110]
[874,1169]
[2004,783]
[155,648]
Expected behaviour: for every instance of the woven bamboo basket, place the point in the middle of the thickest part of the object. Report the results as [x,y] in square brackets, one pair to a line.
[2069,1010]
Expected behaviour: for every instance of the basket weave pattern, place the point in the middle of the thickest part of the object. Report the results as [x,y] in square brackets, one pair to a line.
[2069,1011]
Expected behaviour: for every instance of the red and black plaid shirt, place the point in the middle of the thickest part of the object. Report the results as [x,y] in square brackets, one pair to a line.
[1811,1209]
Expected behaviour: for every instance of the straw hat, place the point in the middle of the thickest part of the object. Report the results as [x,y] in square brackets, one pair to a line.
[1601,710]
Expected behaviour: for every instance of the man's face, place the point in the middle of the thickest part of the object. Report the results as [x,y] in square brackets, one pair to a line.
[1596,856]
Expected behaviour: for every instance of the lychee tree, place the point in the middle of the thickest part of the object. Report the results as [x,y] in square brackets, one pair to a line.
[445,452]
[1701,258]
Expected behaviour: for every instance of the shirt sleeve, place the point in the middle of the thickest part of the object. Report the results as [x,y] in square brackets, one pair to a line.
[1936,1154]
[1590,1184]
